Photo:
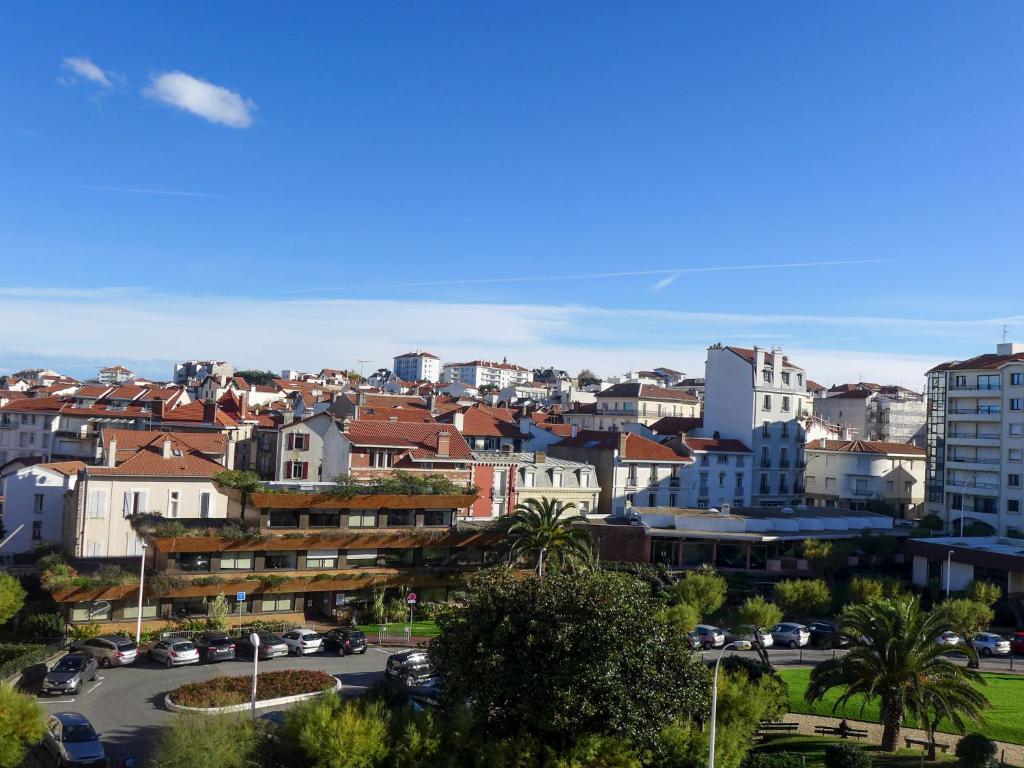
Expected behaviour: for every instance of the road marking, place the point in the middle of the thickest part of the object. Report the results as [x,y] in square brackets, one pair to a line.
[97,685]
[57,701]
[390,651]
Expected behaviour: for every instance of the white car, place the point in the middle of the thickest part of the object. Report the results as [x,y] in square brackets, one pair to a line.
[174,652]
[709,636]
[302,641]
[750,634]
[949,639]
[791,635]
[991,644]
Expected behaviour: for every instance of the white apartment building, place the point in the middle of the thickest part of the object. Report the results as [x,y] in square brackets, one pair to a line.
[418,366]
[890,414]
[855,474]
[632,403]
[976,441]
[197,370]
[482,373]
[758,397]
[33,503]
[114,374]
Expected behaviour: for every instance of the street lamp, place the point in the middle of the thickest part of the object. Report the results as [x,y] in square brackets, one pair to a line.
[949,568]
[254,638]
[540,562]
[739,645]
[142,576]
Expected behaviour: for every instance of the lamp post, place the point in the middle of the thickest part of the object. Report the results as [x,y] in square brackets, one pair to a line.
[142,576]
[254,638]
[949,569]
[739,645]
[540,562]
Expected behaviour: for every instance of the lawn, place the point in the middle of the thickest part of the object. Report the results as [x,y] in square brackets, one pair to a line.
[419,629]
[1003,720]
[812,749]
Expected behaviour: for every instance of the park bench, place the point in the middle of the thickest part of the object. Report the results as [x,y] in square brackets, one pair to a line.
[925,744]
[769,728]
[842,730]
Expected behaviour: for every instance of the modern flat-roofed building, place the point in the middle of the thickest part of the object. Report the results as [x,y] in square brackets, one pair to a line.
[418,366]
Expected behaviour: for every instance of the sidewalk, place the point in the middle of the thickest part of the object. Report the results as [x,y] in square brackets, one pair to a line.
[1012,754]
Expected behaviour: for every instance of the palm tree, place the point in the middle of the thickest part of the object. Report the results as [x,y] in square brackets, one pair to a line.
[538,525]
[894,658]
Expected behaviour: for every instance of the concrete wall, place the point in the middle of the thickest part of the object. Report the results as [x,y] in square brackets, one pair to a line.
[19,490]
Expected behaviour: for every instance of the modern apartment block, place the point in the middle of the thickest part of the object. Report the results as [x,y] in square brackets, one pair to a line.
[481,373]
[890,414]
[197,370]
[976,440]
[418,366]
[758,397]
[114,374]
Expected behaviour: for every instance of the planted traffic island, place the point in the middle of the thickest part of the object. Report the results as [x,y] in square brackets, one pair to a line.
[233,694]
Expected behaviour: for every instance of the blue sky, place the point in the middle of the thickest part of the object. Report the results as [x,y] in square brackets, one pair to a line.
[352,180]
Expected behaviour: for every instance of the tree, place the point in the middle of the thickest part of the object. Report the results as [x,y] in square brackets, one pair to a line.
[985,592]
[538,524]
[864,589]
[330,732]
[705,590]
[244,482]
[217,611]
[12,597]
[758,612]
[21,726]
[802,597]
[682,617]
[544,659]
[227,741]
[826,557]
[587,378]
[255,376]
[968,617]
[894,658]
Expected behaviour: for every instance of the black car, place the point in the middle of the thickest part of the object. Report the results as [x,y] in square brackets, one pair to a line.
[825,634]
[410,668]
[344,642]
[70,673]
[271,646]
[215,646]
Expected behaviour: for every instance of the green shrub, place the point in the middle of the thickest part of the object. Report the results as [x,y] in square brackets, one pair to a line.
[225,741]
[772,760]
[846,756]
[225,691]
[330,732]
[21,726]
[976,750]
[14,657]
[271,580]
[931,522]
[84,631]
[12,596]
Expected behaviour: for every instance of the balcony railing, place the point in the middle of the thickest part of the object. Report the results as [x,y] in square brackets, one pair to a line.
[971,460]
[783,464]
[972,484]
[982,387]
[8,425]
[673,482]
[765,464]
[981,409]
[975,436]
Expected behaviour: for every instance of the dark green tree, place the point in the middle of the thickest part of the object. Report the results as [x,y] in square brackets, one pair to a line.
[12,597]
[256,376]
[544,659]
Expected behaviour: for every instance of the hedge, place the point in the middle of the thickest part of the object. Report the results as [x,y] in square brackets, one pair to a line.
[16,657]
[226,691]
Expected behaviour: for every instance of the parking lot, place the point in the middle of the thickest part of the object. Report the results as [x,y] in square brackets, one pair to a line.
[125,704]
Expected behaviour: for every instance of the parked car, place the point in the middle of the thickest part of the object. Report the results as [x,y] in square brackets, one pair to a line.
[215,646]
[344,642]
[271,646]
[791,635]
[72,741]
[68,674]
[991,644]
[1017,642]
[710,637]
[949,639]
[174,652]
[302,641]
[108,650]
[410,668]
[751,634]
[695,641]
[825,634]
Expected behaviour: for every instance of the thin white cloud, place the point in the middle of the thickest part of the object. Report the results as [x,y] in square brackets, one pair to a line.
[136,190]
[202,98]
[85,68]
[665,282]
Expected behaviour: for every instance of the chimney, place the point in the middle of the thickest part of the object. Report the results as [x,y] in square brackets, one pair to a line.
[444,441]
[716,435]
[539,457]
[112,452]
[166,450]
[158,408]
[822,443]
[622,443]
[209,412]
[459,420]
[243,407]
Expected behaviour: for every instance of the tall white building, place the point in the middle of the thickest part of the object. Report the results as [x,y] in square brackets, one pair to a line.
[757,397]
[482,373]
[890,414]
[114,374]
[418,366]
[976,440]
[197,370]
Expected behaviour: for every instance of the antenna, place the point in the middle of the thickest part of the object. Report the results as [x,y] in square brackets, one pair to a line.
[361,364]
[1006,330]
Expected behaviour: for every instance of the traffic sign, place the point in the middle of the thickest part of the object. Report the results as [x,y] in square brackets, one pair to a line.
[411,599]
[240,596]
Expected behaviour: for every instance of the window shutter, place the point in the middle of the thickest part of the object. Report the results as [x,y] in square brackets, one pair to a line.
[126,505]
[291,441]
[305,470]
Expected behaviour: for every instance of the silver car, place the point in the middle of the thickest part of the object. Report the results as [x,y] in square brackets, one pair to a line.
[949,639]
[70,673]
[174,652]
[991,644]
[710,637]
[750,634]
[72,741]
[791,635]
[108,650]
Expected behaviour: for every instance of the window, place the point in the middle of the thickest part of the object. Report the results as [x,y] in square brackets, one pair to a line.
[1013,506]
[785,378]
[860,486]
[830,483]
[764,483]
[134,503]
[721,479]
[322,558]
[629,499]
[205,500]
[324,518]
[703,482]
[37,503]
[361,558]
[785,403]
[279,561]
[766,429]
[1013,480]
[528,478]
[1015,430]
[236,561]
[298,470]
[1015,403]
[433,517]
[173,503]
[800,379]
[283,518]
[988,382]
[399,517]
[1017,379]
[956,501]
[556,478]
[767,403]
[363,518]
[766,457]
[1014,454]
[301,441]
[94,549]
[584,479]
[26,439]
[767,375]
[277,603]
[739,481]
[785,429]
[91,611]
[149,608]
[959,382]
[380,458]
[435,556]
[652,500]
[672,500]
[37,530]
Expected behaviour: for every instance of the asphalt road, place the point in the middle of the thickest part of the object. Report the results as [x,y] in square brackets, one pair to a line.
[125,704]
[810,657]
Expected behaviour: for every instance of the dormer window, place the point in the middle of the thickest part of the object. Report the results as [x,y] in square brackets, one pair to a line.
[556,478]
[584,478]
[528,478]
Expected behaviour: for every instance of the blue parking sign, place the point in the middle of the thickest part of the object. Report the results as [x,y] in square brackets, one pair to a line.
[240,597]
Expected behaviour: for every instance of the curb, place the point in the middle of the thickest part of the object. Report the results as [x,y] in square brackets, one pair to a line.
[171,706]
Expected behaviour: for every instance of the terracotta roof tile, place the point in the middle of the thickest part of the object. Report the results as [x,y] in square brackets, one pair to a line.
[981,362]
[148,460]
[131,440]
[673,425]
[748,355]
[420,439]
[647,392]
[716,445]
[866,446]
[637,447]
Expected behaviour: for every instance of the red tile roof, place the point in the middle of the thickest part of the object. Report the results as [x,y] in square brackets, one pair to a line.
[420,439]
[866,446]
[981,362]
[647,392]
[637,447]
[131,440]
[54,404]
[193,413]
[485,421]
[673,425]
[395,414]
[125,392]
[748,355]
[67,468]
[148,460]
[93,390]
[716,445]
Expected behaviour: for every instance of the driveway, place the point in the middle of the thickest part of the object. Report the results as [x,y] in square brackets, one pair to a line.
[125,704]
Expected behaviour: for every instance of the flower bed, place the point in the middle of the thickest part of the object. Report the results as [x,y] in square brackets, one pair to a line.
[227,691]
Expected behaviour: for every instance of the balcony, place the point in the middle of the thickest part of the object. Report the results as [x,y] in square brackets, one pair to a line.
[981,413]
[976,387]
[76,434]
[673,482]
[783,463]
[970,438]
[968,461]
[974,486]
[765,464]
[8,425]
